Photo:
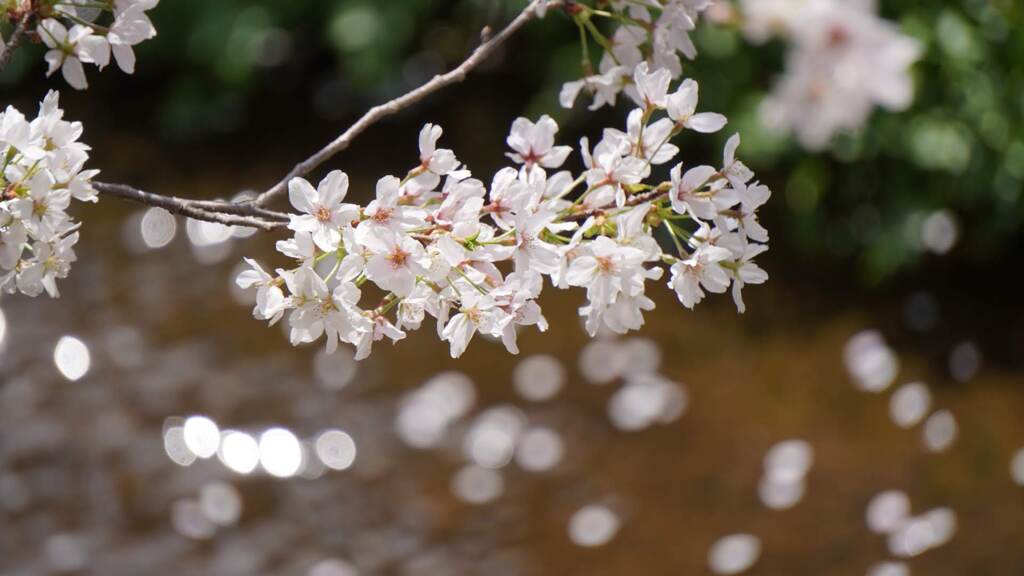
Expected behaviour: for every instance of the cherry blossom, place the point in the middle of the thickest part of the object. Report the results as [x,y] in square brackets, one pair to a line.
[439,242]
[43,172]
[270,299]
[699,271]
[75,37]
[70,48]
[682,107]
[323,213]
[533,143]
[843,61]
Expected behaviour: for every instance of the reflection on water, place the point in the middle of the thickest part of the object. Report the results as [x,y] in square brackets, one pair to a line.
[171,435]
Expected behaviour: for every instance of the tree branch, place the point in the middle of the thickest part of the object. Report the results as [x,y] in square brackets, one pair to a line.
[252,213]
[374,114]
[634,200]
[7,47]
[228,213]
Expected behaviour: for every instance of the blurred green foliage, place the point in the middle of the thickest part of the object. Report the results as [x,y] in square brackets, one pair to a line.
[960,146]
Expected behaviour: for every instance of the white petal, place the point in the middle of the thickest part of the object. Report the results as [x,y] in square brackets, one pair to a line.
[74,73]
[706,122]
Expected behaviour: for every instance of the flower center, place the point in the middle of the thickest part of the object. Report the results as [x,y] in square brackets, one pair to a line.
[382,216]
[398,258]
[605,264]
[322,214]
[837,36]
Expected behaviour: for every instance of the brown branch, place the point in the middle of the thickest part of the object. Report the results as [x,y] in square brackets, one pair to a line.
[228,213]
[634,200]
[7,47]
[251,213]
[374,114]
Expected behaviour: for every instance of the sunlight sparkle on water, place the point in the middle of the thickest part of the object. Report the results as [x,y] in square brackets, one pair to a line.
[280,452]
[872,365]
[202,436]
[336,449]
[593,525]
[940,431]
[889,569]
[332,567]
[540,449]
[71,356]
[158,228]
[239,451]
[734,553]
[221,503]
[909,404]
[887,511]
[538,378]
[477,485]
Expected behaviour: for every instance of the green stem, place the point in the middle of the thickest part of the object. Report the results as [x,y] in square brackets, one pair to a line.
[467,279]
[675,239]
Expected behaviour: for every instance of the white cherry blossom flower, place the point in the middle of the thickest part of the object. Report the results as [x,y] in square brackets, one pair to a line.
[623,315]
[605,88]
[682,108]
[533,144]
[70,48]
[43,209]
[387,212]
[700,270]
[694,193]
[651,86]
[270,300]
[532,252]
[610,167]
[476,313]
[735,171]
[434,162]
[460,210]
[396,261]
[517,298]
[131,27]
[606,270]
[843,61]
[507,195]
[17,132]
[649,143]
[323,213]
[382,328]
[744,271]
[299,247]
[52,261]
[632,231]
[756,196]
[320,312]
[13,237]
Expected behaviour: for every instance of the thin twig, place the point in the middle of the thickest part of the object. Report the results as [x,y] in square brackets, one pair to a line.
[228,213]
[252,213]
[388,108]
[7,48]
[634,200]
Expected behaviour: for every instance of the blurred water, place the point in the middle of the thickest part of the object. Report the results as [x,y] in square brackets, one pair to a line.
[149,425]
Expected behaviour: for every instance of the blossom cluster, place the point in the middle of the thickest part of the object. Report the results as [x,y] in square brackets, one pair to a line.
[439,242]
[656,32]
[843,60]
[72,32]
[42,171]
